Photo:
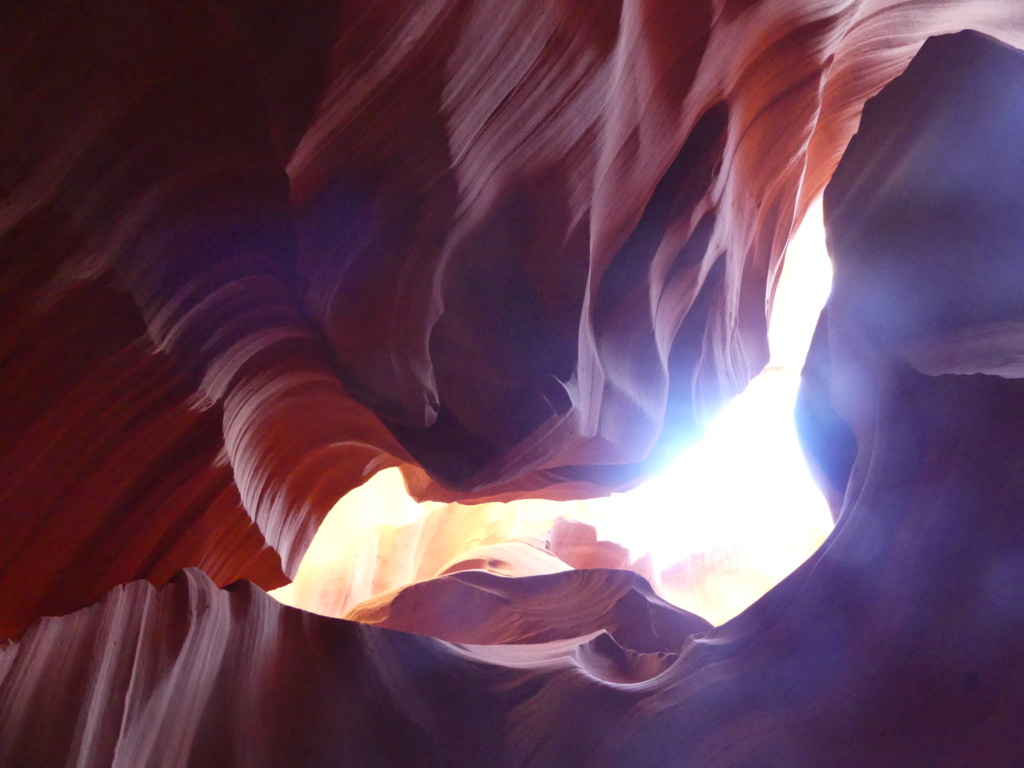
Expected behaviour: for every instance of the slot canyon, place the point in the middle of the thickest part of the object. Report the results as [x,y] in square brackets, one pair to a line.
[259,257]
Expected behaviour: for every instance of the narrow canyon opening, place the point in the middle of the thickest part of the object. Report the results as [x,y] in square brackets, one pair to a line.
[729,518]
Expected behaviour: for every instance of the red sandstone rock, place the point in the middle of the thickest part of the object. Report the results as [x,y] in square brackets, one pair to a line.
[252,255]
[506,242]
[897,644]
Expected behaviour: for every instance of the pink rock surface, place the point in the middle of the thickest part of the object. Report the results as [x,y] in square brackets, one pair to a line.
[504,243]
[251,255]
[484,608]
[897,644]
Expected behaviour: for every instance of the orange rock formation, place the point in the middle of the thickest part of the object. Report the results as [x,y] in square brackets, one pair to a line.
[251,254]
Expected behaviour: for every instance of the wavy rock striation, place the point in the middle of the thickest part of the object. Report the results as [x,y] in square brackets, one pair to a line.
[897,644]
[478,607]
[253,254]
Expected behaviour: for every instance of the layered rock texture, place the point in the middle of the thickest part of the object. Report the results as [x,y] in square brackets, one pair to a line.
[250,254]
